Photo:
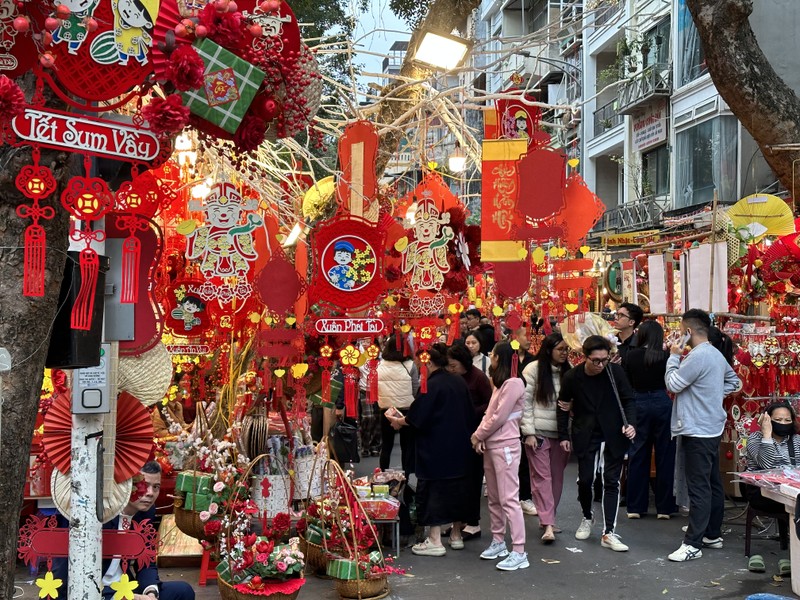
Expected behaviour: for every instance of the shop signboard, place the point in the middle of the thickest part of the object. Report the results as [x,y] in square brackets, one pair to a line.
[650,127]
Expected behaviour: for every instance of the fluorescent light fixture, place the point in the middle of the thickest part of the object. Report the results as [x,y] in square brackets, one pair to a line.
[441,50]
[457,161]
[293,236]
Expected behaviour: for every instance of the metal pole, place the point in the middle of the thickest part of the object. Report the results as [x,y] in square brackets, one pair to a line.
[713,250]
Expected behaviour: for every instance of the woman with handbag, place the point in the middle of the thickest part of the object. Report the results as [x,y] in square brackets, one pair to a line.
[398,382]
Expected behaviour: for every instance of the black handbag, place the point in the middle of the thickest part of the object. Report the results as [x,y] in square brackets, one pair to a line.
[344,442]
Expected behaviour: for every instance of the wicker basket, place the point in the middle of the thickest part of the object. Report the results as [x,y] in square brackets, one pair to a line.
[227,592]
[188,521]
[363,589]
[316,560]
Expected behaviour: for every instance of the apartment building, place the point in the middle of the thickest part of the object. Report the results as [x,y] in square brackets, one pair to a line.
[654,135]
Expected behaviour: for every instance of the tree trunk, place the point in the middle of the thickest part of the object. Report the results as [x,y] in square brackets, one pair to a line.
[399,97]
[25,331]
[767,107]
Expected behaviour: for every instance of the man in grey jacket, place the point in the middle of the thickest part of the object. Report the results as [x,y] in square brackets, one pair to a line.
[700,382]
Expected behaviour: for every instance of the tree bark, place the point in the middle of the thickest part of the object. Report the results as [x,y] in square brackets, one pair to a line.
[767,107]
[398,98]
[25,331]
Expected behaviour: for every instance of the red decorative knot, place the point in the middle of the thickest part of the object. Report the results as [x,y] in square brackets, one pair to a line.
[87,198]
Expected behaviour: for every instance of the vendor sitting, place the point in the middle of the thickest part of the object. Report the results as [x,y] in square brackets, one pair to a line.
[776,445]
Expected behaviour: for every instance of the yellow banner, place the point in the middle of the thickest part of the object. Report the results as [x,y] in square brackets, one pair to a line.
[634,238]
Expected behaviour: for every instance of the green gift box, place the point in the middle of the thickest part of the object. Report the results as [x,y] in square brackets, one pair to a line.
[315,533]
[197,502]
[375,557]
[229,86]
[193,481]
[341,568]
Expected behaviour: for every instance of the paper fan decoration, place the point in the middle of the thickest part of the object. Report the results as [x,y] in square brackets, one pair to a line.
[164,38]
[134,437]
[758,215]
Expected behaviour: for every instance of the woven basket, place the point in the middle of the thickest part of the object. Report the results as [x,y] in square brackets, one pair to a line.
[362,589]
[188,521]
[147,376]
[316,560]
[227,592]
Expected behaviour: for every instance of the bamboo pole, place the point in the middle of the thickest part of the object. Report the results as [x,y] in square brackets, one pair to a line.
[713,250]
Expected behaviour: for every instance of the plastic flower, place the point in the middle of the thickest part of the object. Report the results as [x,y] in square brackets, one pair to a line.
[213,508]
[123,589]
[281,566]
[204,515]
[48,586]
[218,487]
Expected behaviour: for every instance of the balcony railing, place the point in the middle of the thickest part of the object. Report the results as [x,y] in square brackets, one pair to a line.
[606,117]
[605,12]
[644,213]
[651,82]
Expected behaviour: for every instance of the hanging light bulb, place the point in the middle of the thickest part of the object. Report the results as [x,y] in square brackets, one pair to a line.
[457,161]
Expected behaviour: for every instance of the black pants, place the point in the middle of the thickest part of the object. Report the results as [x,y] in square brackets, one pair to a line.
[524,477]
[653,410]
[407,445]
[369,427]
[612,469]
[706,495]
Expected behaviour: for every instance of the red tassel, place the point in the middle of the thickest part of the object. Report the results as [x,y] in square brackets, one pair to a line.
[351,396]
[546,328]
[398,338]
[278,389]
[372,386]
[514,363]
[455,329]
[300,404]
[84,302]
[423,378]
[131,255]
[325,392]
[35,247]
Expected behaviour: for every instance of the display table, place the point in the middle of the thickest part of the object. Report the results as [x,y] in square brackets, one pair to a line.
[787,495]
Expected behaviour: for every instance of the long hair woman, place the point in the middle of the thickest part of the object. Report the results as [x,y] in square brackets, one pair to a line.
[497,438]
[473,342]
[645,365]
[539,428]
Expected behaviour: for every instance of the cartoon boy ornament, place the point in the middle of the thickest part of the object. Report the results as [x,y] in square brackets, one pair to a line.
[343,274]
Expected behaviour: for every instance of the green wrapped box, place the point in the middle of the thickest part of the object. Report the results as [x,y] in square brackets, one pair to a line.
[229,86]
[197,502]
[314,534]
[193,481]
[341,568]
[375,557]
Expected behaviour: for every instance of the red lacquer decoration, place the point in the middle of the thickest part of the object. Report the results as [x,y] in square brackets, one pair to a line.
[86,199]
[582,210]
[278,284]
[348,263]
[357,187]
[542,174]
[35,182]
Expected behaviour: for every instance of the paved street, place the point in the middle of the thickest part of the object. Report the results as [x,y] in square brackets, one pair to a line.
[570,568]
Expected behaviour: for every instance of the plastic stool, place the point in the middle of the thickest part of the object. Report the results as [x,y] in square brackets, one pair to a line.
[208,568]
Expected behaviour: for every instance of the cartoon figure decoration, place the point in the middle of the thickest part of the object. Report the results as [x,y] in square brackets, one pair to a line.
[520,127]
[224,246]
[426,257]
[188,307]
[348,263]
[354,268]
[131,37]
[73,29]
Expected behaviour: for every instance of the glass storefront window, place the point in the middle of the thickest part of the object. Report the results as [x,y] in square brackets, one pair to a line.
[655,172]
[706,157]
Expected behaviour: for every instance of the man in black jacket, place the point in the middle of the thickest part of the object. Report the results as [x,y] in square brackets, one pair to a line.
[602,405]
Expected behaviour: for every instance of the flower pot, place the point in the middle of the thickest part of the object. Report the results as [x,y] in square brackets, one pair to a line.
[363,589]
[228,592]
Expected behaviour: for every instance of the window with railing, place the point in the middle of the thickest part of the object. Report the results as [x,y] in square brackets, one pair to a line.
[607,117]
[691,58]
[656,41]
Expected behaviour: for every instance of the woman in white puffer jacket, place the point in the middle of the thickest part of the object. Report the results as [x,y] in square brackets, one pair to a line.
[398,382]
[546,458]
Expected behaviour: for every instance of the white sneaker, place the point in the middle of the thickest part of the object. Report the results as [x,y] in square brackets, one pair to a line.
[611,540]
[684,553]
[514,561]
[584,529]
[716,543]
[528,507]
[496,550]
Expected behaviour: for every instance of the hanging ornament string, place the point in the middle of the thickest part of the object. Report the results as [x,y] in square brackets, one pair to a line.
[35,182]
[87,199]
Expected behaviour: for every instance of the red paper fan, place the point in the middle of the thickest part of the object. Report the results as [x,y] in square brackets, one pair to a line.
[164,38]
[133,441]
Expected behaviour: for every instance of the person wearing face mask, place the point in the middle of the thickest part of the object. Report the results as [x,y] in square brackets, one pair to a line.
[775,445]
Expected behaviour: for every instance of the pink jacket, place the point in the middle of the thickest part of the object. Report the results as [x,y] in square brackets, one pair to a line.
[500,424]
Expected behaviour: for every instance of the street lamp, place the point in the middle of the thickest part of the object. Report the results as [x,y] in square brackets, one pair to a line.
[457,161]
[441,51]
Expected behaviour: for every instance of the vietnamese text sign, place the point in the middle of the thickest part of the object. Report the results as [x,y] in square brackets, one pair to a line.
[635,238]
[650,128]
[354,326]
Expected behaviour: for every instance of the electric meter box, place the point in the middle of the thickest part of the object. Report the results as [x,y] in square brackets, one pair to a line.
[90,386]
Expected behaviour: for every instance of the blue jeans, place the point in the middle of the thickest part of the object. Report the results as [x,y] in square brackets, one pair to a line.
[653,410]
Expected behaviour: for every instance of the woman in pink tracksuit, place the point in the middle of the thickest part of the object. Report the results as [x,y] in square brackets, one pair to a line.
[497,438]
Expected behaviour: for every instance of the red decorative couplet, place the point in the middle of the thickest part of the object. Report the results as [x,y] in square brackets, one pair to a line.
[89,135]
[358,185]
[499,218]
